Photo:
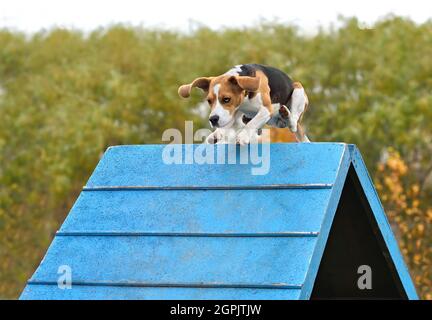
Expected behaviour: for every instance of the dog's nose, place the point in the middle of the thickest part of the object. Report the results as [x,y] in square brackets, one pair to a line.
[214,120]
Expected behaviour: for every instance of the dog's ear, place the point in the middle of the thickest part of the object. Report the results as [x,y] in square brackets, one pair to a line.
[246,83]
[203,83]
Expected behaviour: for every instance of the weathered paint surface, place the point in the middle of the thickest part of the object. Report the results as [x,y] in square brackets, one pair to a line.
[143,166]
[150,293]
[245,260]
[197,211]
[142,229]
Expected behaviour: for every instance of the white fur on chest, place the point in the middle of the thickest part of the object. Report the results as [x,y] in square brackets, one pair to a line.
[250,107]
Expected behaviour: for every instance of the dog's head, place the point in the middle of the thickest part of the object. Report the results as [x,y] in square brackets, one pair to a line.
[224,94]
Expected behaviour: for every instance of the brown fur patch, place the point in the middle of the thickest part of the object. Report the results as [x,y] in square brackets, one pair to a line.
[236,88]
[297,85]
[282,135]
[226,90]
[202,82]
[264,89]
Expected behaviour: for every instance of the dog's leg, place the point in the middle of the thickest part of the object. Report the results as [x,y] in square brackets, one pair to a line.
[216,136]
[300,136]
[251,128]
[299,102]
[227,134]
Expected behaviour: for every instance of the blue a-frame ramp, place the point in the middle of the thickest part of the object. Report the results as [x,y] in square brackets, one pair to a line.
[142,229]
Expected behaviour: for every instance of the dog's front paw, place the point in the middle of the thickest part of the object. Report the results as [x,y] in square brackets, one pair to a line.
[246,136]
[215,137]
[212,139]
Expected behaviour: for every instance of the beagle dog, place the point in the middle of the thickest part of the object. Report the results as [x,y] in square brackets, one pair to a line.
[247,97]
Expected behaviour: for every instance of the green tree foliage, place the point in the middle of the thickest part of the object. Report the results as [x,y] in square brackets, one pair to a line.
[66,96]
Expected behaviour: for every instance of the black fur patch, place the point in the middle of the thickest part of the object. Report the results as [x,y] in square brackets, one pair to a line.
[281,86]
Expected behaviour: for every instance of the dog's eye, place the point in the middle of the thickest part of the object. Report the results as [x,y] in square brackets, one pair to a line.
[209,101]
[226,100]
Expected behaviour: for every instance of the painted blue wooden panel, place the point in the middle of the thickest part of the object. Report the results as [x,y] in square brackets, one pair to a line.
[383,223]
[252,239]
[289,164]
[180,260]
[260,211]
[326,225]
[52,292]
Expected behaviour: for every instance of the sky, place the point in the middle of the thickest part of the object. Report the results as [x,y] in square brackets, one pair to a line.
[35,15]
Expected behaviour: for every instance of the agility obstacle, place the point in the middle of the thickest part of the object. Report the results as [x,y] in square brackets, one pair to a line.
[313,227]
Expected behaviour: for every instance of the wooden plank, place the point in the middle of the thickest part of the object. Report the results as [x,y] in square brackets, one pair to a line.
[53,292]
[199,211]
[239,261]
[315,163]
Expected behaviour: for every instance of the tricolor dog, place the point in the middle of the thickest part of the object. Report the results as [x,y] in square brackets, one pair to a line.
[247,97]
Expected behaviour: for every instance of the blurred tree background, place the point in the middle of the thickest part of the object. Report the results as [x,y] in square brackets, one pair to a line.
[66,96]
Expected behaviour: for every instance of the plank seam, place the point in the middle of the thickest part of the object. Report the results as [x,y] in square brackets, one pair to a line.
[171,285]
[184,234]
[250,187]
